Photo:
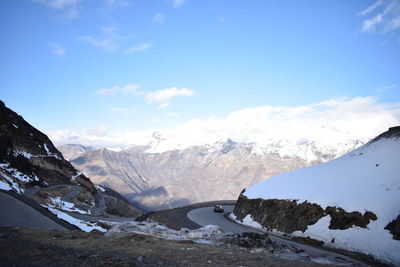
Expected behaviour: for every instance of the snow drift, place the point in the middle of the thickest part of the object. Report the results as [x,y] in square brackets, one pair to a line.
[364,181]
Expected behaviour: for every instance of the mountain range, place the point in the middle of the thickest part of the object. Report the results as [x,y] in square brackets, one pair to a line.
[152,177]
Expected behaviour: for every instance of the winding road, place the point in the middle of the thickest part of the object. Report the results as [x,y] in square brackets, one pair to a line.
[206,216]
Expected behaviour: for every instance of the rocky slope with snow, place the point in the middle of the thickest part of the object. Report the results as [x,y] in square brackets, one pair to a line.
[31,166]
[351,202]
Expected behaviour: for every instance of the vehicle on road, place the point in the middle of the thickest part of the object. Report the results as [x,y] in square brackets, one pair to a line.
[218,208]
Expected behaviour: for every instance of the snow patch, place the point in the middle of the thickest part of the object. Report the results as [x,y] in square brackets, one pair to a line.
[15,126]
[19,175]
[208,234]
[4,186]
[14,185]
[22,153]
[247,221]
[373,240]
[367,179]
[64,205]
[73,178]
[99,188]
[84,226]
[49,152]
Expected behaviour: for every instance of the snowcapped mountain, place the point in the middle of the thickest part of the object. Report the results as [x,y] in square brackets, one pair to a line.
[218,171]
[328,144]
[352,202]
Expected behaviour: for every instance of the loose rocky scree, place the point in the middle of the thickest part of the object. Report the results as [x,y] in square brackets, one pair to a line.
[34,247]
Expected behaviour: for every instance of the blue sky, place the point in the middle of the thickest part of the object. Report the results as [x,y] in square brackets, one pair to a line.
[123,65]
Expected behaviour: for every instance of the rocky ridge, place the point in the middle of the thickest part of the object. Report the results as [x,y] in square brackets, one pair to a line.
[31,166]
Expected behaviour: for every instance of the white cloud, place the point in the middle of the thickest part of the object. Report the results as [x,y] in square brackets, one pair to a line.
[329,122]
[57,49]
[386,21]
[127,89]
[159,18]
[68,8]
[163,97]
[99,131]
[177,3]
[370,8]
[138,48]
[123,110]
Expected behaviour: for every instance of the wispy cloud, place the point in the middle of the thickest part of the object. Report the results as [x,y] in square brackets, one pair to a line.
[164,97]
[370,8]
[384,17]
[127,89]
[126,111]
[57,49]
[138,48]
[109,41]
[177,3]
[108,44]
[385,89]
[159,18]
[66,8]
[116,3]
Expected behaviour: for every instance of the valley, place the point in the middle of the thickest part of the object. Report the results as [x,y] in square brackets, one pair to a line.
[153,181]
[48,205]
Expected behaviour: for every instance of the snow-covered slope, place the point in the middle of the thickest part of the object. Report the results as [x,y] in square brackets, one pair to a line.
[366,179]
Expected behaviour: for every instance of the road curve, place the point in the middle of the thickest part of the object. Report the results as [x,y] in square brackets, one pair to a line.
[16,213]
[205,216]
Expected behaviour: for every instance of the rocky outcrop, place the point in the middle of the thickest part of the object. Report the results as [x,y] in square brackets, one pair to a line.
[394,228]
[393,132]
[289,216]
[31,152]
[340,219]
[283,215]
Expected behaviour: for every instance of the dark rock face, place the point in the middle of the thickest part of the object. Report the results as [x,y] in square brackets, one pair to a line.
[283,215]
[343,220]
[289,216]
[31,152]
[394,228]
[393,132]
[30,159]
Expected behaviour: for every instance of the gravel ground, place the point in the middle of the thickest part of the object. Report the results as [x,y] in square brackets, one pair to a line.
[36,247]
